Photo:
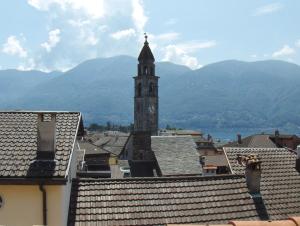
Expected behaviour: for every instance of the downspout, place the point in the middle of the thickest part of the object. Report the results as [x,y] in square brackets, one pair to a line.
[42,189]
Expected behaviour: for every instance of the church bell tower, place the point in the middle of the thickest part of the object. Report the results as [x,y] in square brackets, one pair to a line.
[146,93]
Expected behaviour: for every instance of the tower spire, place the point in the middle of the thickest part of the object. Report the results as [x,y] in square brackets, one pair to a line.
[146,53]
[146,38]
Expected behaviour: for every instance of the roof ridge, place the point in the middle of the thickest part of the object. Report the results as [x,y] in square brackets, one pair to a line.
[216,177]
[25,111]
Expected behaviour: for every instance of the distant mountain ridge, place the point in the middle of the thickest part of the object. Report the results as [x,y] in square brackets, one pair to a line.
[221,95]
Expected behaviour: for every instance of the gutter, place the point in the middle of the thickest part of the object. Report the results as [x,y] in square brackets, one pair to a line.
[42,189]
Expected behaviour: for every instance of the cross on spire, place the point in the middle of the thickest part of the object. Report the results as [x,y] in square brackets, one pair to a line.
[146,37]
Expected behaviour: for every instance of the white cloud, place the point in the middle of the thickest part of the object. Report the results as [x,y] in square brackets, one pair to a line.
[181,53]
[14,47]
[193,46]
[284,51]
[253,56]
[93,8]
[92,40]
[297,43]
[138,16]
[123,34]
[78,23]
[88,34]
[177,55]
[53,40]
[28,65]
[171,21]
[267,9]
[166,36]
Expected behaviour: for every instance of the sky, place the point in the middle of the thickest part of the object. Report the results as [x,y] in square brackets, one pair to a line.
[52,35]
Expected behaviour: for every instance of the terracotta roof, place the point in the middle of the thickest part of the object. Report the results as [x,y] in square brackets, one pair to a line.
[18,145]
[160,201]
[280,182]
[176,155]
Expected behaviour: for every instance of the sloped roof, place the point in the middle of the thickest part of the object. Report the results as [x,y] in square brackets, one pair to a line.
[146,53]
[18,144]
[216,160]
[159,201]
[254,141]
[280,182]
[176,155]
[291,221]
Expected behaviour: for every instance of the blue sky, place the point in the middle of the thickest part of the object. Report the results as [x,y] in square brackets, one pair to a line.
[58,34]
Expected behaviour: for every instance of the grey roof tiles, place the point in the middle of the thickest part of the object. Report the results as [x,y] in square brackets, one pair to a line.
[158,201]
[254,141]
[18,145]
[176,155]
[280,182]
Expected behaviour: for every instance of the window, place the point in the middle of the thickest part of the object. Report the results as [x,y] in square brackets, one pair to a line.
[1,201]
[151,89]
[152,71]
[139,90]
[145,70]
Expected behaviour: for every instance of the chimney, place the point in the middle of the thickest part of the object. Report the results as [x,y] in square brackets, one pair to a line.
[277,133]
[252,172]
[239,138]
[298,159]
[46,127]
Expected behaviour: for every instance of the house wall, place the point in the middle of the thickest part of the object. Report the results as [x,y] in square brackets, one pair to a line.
[23,205]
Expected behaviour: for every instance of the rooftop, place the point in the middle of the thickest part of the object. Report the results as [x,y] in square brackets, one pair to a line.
[176,155]
[161,201]
[18,144]
[254,141]
[280,182]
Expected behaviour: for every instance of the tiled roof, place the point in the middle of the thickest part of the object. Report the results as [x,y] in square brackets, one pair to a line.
[292,221]
[107,144]
[280,182]
[254,141]
[159,201]
[18,145]
[216,160]
[176,155]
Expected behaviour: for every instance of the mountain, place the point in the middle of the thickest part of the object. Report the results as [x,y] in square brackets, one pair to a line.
[227,94]
[14,83]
